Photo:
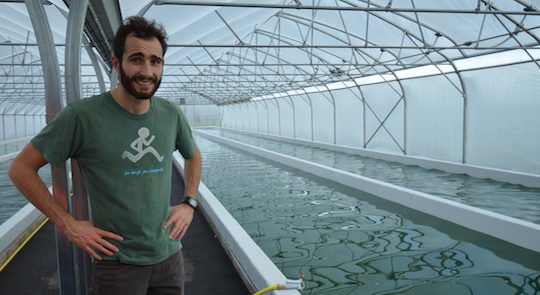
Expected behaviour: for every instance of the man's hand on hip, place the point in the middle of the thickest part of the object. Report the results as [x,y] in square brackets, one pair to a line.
[90,238]
[181,217]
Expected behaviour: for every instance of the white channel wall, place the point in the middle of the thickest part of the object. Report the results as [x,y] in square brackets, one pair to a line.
[14,230]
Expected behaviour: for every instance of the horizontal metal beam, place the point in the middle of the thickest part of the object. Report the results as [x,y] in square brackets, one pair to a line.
[27,83]
[226,92]
[473,10]
[222,93]
[35,76]
[324,46]
[9,43]
[282,74]
[291,64]
[34,65]
[45,2]
[273,82]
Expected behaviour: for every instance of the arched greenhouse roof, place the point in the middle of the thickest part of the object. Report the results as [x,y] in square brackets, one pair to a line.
[223,52]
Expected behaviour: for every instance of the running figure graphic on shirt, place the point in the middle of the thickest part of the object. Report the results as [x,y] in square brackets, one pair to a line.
[142,147]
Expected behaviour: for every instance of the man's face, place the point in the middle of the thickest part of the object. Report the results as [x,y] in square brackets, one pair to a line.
[141,67]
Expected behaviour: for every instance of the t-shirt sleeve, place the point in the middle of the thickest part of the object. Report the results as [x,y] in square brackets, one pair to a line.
[60,139]
[185,143]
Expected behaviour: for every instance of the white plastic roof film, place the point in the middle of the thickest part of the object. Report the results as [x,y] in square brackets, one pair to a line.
[232,51]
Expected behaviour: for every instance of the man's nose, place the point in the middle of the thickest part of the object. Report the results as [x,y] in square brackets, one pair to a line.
[146,68]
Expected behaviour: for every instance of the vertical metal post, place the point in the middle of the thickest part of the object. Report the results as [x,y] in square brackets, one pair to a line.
[34,119]
[405,117]
[74,37]
[293,116]
[4,126]
[24,123]
[464,128]
[237,122]
[113,79]
[311,112]
[15,127]
[267,118]
[333,112]
[96,66]
[255,116]
[53,104]
[258,123]
[363,98]
[248,116]
[279,115]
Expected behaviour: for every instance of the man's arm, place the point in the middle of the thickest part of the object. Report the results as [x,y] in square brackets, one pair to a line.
[182,215]
[23,171]
[192,174]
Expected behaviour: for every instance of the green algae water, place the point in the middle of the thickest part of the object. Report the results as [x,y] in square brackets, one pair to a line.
[348,242]
[11,200]
[513,200]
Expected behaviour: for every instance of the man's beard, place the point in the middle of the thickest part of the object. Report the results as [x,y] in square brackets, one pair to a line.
[128,81]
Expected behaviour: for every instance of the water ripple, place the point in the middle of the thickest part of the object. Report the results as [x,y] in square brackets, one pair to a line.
[347,242]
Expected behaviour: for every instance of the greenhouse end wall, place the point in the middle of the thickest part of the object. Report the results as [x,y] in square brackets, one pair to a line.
[491,117]
[202,115]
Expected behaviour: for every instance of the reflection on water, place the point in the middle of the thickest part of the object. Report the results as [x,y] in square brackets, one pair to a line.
[347,242]
[504,198]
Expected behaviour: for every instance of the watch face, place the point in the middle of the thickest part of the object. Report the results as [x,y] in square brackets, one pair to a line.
[193,203]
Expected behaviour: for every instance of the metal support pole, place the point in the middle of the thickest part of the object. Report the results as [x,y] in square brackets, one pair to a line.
[4,126]
[465,128]
[96,66]
[240,117]
[53,104]
[248,117]
[114,79]
[333,101]
[74,37]
[267,118]
[311,113]
[363,100]
[237,122]
[258,124]
[293,116]
[279,116]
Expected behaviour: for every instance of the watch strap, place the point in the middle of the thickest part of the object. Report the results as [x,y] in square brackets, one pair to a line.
[191,202]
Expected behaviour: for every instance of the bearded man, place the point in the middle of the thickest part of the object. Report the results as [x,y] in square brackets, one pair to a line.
[123,141]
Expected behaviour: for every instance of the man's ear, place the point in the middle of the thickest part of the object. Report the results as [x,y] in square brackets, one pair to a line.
[116,63]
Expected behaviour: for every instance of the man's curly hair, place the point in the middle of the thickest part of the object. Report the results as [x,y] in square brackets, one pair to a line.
[140,28]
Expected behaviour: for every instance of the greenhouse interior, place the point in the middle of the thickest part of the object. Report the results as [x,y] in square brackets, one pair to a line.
[348,146]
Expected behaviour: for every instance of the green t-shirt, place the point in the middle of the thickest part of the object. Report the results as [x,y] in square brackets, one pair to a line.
[126,163]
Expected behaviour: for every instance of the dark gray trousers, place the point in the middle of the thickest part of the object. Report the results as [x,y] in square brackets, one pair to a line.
[164,278]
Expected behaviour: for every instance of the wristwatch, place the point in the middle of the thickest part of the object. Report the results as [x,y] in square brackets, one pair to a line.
[191,202]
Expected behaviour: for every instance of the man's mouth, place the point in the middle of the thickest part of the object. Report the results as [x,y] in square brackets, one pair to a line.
[144,81]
